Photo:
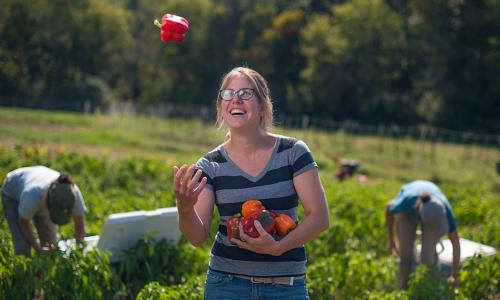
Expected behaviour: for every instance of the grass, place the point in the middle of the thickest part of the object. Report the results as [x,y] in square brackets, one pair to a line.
[183,140]
[117,136]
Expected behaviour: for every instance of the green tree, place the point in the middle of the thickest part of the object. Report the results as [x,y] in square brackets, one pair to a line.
[14,73]
[460,40]
[59,54]
[282,40]
[354,63]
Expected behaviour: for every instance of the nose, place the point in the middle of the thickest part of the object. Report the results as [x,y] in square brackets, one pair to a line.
[235,96]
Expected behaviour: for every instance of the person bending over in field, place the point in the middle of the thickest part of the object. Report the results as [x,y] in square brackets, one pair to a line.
[421,202]
[46,197]
[254,164]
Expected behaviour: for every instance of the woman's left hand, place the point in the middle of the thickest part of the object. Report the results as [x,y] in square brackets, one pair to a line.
[264,243]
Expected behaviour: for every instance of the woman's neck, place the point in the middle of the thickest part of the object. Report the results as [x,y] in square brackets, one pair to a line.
[247,144]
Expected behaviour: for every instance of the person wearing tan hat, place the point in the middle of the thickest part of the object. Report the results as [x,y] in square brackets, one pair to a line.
[46,198]
[421,202]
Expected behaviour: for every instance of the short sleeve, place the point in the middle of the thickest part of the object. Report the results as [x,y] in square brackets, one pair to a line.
[451,219]
[403,203]
[208,170]
[80,207]
[301,158]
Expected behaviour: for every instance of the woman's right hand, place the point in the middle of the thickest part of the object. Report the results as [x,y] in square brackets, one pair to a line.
[184,181]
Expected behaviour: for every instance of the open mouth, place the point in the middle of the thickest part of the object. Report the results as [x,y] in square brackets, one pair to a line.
[237,112]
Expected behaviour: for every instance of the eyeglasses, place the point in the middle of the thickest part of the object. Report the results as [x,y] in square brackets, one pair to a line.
[242,94]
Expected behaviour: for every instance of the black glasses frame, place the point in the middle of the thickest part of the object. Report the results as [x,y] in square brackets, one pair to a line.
[242,94]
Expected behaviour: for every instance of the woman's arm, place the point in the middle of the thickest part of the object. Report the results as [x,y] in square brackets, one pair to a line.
[27,231]
[79,224]
[455,243]
[389,223]
[194,205]
[315,221]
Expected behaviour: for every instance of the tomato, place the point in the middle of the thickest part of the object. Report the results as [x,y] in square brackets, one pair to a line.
[265,219]
[250,207]
[284,224]
[233,230]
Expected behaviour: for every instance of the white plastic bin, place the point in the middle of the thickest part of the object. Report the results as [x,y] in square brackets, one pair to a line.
[122,230]
[468,249]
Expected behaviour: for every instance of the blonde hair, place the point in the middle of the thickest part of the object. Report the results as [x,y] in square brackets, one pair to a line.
[259,84]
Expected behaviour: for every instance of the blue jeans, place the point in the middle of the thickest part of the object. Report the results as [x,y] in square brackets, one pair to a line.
[226,286]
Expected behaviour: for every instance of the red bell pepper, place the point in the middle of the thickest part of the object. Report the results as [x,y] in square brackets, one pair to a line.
[173,28]
[251,206]
[233,230]
[284,224]
[264,217]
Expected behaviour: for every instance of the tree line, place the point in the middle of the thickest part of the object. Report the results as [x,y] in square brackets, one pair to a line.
[407,62]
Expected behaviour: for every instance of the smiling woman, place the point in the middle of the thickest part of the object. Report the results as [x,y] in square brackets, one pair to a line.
[255,87]
[252,163]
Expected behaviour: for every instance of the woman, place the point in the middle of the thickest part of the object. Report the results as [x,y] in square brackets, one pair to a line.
[251,164]
[45,198]
[421,202]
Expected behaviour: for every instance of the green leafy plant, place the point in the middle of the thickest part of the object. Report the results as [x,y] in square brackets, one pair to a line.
[350,275]
[17,280]
[427,284]
[74,275]
[480,277]
[168,264]
[191,289]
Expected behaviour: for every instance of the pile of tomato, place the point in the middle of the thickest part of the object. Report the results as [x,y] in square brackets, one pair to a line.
[276,225]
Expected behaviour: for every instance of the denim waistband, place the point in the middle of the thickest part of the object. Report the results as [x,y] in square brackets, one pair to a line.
[271,280]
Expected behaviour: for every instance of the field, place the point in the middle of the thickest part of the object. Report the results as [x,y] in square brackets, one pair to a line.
[124,163]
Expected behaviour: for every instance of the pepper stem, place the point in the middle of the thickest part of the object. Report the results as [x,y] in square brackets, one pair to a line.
[157,23]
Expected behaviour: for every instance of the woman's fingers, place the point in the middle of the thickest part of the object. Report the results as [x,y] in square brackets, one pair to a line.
[185,180]
[175,170]
[179,173]
[194,180]
[200,187]
[243,236]
[179,187]
[188,175]
[243,239]
[259,228]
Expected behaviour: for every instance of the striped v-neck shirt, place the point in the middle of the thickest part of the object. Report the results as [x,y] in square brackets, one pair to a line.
[274,188]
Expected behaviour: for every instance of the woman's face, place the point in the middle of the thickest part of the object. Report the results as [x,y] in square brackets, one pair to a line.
[237,112]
